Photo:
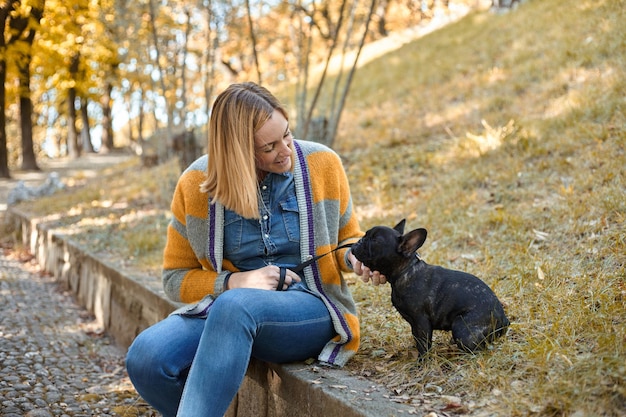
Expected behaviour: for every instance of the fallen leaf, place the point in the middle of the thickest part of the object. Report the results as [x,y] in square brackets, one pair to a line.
[540,273]
[539,235]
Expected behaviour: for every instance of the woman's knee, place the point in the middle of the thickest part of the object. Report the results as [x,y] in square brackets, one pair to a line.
[138,355]
[166,348]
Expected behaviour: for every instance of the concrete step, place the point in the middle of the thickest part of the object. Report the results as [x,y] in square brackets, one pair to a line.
[126,302]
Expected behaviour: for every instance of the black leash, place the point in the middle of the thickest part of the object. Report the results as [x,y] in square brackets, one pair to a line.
[298,268]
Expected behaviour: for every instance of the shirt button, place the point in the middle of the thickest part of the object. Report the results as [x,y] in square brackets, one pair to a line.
[265,217]
[264,187]
[266,235]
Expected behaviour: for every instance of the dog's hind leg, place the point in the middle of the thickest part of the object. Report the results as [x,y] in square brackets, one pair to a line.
[470,337]
[475,333]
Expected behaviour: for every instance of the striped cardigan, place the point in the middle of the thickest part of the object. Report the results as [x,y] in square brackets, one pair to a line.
[194,268]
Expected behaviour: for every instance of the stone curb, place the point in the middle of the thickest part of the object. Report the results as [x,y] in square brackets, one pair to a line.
[124,304]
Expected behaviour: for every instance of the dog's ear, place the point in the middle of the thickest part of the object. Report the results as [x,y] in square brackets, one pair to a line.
[412,241]
[400,226]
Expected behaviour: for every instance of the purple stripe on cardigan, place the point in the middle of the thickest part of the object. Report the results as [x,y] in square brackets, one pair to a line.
[311,233]
[309,209]
[212,235]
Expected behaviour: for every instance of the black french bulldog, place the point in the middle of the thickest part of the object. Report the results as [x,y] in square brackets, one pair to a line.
[432,297]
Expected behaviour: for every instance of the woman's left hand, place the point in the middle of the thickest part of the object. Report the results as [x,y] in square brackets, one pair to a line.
[365,273]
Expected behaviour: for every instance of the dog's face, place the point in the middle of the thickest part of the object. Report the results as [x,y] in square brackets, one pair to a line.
[387,250]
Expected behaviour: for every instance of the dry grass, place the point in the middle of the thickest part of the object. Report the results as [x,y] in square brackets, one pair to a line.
[509,148]
[504,136]
[121,215]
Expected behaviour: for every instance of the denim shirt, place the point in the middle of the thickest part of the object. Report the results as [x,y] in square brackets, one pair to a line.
[274,239]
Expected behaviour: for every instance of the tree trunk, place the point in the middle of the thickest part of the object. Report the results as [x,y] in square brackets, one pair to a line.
[183,76]
[73,145]
[323,123]
[333,43]
[381,13]
[6,8]
[209,61]
[163,147]
[4,151]
[29,161]
[23,23]
[107,121]
[302,40]
[255,54]
[336,116]
[85,134]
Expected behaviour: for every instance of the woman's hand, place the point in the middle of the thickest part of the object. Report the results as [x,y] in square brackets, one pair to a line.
[265,278]
[365,273]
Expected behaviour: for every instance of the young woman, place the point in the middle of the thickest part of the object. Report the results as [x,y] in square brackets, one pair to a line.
[256,205]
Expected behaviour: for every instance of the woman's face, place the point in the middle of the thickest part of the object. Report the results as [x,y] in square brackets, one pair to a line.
[272,143]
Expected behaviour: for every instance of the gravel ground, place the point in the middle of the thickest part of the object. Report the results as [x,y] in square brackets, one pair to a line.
[54,361]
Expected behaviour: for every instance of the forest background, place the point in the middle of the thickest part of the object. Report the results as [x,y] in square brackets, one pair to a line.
[505,136]
[142,74]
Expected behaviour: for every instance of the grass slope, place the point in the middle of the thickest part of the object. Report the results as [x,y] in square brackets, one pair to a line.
[504,136]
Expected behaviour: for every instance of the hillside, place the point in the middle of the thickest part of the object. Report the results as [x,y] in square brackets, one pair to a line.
[504,136]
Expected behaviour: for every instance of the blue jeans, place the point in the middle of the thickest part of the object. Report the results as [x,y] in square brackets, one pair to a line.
[195,366]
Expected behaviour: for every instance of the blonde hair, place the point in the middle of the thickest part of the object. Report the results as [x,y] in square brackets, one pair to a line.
[237,114]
